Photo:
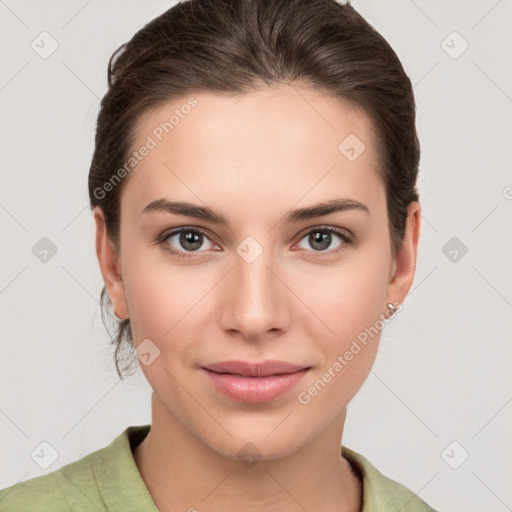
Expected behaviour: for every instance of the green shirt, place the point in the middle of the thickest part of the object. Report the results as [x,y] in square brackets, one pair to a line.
[109,480]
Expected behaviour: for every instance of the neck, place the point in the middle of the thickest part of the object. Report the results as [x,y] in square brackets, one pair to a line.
[182,472]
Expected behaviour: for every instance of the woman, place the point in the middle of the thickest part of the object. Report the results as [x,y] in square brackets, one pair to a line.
[254,191]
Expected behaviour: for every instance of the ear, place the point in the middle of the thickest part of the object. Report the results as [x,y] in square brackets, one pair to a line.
[108,259]
[404,264]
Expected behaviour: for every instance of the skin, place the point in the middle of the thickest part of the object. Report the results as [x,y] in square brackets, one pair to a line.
[254,158]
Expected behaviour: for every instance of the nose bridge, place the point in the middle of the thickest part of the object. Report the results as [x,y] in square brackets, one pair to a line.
[255,303]
[254,278]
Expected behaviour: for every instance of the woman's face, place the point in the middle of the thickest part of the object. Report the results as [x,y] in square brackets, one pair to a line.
[263,284]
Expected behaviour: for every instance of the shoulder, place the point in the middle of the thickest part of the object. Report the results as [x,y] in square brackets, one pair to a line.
[106,479]
[56,491]
[381,493]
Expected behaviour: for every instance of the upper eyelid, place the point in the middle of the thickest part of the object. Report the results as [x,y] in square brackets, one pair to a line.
[327,227]
[205,232]
[176,231]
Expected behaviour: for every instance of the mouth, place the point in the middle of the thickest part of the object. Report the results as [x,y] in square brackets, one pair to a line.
[254,382]
[255,369]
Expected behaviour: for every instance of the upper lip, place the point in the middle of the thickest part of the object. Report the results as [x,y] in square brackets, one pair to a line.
[255,369]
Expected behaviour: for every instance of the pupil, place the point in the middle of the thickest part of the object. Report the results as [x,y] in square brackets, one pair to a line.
[321,238]
[194,239]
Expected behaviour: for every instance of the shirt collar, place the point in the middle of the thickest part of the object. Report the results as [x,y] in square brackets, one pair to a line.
[120,481]
[118,476]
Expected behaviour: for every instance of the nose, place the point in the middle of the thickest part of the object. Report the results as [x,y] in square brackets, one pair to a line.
[255,301]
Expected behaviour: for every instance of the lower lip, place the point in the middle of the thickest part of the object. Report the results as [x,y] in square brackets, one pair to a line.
[255,389]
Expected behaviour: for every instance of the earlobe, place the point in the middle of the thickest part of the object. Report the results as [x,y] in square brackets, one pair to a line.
[108,259]
[404,264]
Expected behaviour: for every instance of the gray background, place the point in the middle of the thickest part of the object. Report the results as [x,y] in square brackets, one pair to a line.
[443,369]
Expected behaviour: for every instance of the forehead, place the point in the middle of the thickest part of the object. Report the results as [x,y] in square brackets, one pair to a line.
[281,141]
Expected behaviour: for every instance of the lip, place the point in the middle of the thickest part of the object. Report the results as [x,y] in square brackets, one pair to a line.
[254,382]
[255,369]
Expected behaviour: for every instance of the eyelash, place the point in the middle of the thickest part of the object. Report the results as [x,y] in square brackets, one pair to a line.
[348,239]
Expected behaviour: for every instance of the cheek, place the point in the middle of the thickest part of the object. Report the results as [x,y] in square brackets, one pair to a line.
[347,298]
[166,301]
[351,309]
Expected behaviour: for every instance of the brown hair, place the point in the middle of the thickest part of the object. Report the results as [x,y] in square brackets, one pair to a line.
[234,47]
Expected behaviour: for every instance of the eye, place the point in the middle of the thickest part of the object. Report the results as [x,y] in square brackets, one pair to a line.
[185,240]
[321,239]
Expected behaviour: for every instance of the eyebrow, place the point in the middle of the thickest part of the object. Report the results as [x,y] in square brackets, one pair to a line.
[297,215]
